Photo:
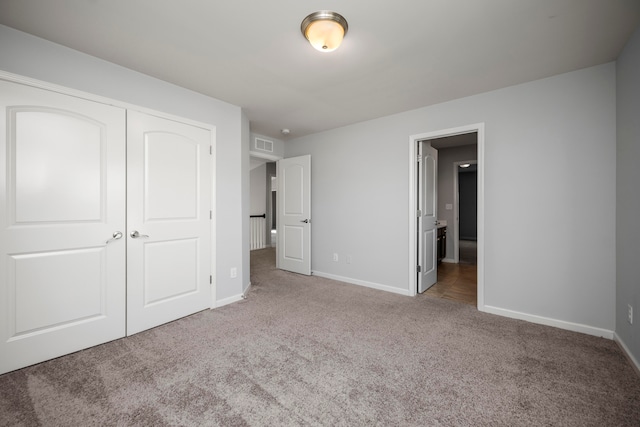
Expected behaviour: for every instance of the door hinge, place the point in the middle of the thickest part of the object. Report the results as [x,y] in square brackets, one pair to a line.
[211,150]
[418,213]
[211,280]
[210,214]
[418,269]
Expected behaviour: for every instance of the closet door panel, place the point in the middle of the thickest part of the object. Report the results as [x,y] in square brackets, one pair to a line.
[62,177]
[169,221]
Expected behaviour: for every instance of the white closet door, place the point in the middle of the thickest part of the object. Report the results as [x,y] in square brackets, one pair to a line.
[169,225]
[62,164]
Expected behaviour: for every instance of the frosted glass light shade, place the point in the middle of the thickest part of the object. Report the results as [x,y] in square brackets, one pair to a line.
[325,36]
[324,30]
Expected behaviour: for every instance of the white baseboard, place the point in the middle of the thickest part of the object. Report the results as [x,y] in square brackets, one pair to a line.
[627,352]
[449,260]
[230,300]
[246,290]
[570,326]
[361,283]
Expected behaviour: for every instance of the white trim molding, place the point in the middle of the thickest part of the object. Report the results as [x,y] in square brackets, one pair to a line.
[627,352]
[569,326]
[358,282]
[230,300]
[245,291]
[265,156]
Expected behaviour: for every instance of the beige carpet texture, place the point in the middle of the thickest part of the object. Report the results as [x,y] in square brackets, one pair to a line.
[307,351]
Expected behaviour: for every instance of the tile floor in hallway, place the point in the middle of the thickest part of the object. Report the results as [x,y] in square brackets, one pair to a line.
[458,282]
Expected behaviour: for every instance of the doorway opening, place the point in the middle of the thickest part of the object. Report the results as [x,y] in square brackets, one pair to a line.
[262,203]
[449,204]
[272,204]
[465,208]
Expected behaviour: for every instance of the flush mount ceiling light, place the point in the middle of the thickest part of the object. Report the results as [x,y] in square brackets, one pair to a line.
[324,30]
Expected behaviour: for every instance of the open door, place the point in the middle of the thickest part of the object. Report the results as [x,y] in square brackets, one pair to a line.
[427,216]
[294,215]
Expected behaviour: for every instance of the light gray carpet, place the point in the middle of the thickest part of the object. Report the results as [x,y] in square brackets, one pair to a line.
[310,351]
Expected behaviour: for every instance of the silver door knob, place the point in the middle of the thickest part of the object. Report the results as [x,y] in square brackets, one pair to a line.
[134,234]
[306,221]
[116,235]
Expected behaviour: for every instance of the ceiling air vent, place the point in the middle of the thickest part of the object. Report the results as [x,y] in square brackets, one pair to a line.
[264,145]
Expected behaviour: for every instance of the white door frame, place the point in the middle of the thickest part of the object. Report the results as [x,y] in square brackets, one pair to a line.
[456,208]
[413,257]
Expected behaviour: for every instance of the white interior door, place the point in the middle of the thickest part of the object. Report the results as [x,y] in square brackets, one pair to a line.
[427,216]
[62,205]
[168,220]
[294,215]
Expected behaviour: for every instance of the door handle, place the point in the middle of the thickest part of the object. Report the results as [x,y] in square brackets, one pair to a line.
[134,234]
[116,235]
[306,221]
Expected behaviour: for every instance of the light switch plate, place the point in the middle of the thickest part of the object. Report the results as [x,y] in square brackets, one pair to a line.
[448,206]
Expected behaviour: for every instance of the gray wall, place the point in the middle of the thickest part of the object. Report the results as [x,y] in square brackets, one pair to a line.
[446,158]
[535,133]
[258,190]
[244,272]
[628,195]
[29,56]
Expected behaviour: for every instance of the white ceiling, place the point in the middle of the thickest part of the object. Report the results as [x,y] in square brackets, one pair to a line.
[398,55]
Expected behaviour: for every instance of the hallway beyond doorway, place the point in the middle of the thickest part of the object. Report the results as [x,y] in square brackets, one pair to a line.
[468,251]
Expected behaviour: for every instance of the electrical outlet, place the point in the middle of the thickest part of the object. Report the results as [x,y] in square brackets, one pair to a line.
[335,257]
[234,272]
[630,314]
